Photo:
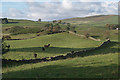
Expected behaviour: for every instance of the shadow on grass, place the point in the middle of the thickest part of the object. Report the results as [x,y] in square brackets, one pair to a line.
[12,22]
[59,71]
[104,50]
[95,37]
[53,50]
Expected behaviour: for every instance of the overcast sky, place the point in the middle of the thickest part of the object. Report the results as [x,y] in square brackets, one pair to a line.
[56,9]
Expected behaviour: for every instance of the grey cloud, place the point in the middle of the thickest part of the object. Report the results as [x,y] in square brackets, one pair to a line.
[56,10]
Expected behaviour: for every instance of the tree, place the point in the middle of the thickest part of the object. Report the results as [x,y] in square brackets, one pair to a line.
[68,24]
[4,20]
[7,37]
[56,28]
[59,21]
[68,28]
[5,47]
[54,21]
[112,26]
[75,31]
[51,27]
[39,20]
[87,35]
[73,28]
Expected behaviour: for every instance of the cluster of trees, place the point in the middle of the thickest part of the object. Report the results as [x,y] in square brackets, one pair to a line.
[7,37]
[5,47]
[4,20]
[87,35]
[112,26]
[50,28]
[55,21]
[70,28]
[39,20]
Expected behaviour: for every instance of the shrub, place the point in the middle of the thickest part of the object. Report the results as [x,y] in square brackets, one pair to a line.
[87,35]
[68,28]
[4,46]
[39,20]
[4,21]
[112,26]
[75,31]
[7,37]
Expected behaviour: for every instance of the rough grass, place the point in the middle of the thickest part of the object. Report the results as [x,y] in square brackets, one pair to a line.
[60,44]
[25,23]
[94,25]
[102,63]
[99,33]
[21,36]
[99,20]
[97,66]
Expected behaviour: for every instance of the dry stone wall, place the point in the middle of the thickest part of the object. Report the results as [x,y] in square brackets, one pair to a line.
[60,57]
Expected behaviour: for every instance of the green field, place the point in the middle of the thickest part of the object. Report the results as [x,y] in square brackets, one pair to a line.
[26,23]
[101,63]
[97,66]
[60,44]
[23,36]
[95,26]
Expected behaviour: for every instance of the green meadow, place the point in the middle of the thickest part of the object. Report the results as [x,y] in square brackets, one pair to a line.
[60,44]
[101,63]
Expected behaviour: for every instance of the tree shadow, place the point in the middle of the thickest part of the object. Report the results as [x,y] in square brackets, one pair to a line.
[95,36]
[12,22]
[103,50]
[53,50]
[66,71]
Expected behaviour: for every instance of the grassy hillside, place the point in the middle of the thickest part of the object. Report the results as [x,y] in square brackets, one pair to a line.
[26,23]
[60,44]
[101,63]
[95,25]
[20,36]
[94,20]
[98,66]
[99,20]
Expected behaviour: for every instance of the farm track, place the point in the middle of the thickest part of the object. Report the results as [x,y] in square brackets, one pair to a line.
[84,36]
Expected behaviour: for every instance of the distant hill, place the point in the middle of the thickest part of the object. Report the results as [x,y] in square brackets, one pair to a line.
[98,20]
[110,19]
[22,22]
